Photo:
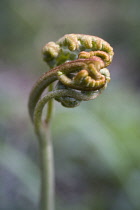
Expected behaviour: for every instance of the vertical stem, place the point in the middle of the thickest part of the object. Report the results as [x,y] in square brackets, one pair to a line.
[47,163]
[47,173]
[50,106]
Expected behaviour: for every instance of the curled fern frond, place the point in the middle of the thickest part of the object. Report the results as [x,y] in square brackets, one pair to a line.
[69,46]
[78,65]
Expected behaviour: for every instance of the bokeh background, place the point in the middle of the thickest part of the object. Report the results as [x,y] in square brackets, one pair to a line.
[96,145]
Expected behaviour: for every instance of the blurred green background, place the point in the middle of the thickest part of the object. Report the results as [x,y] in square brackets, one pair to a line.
[96,145]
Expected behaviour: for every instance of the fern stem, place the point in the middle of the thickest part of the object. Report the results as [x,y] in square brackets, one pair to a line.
[47,191]
[50,106]
[47,173]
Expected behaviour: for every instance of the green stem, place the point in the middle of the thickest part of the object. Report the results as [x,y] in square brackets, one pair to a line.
[50,106]
[47,163]
[47,172]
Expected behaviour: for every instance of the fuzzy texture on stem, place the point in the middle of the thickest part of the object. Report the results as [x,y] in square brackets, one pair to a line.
[78,63]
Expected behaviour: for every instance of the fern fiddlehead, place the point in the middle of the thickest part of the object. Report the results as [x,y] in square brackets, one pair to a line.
[79,66]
